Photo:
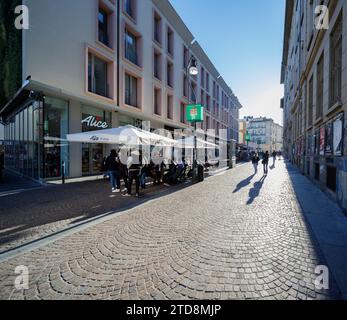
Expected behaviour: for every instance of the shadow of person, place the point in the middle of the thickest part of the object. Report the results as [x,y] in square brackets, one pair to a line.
[244,183]
[255,191]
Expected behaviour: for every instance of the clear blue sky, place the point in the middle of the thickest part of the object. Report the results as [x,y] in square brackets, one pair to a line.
[244,40]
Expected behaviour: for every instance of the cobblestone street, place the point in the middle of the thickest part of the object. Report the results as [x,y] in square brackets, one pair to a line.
[234,236]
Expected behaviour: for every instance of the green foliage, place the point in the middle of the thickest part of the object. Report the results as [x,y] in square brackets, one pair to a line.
[10,52]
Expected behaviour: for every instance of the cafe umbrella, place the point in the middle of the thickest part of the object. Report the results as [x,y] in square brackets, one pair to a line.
[126,135]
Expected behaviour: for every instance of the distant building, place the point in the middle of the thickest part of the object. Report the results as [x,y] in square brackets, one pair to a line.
[266,135]
[242,132]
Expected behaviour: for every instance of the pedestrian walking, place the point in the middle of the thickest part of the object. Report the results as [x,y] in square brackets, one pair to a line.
[274,156]
[265,162]
[255,162]
[112,166]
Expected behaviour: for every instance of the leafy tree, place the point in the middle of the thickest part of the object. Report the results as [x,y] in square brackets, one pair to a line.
[10,52]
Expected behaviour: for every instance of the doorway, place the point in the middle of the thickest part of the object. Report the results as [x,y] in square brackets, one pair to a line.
[92,159]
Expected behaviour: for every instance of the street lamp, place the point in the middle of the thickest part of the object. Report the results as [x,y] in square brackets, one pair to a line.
[193,71]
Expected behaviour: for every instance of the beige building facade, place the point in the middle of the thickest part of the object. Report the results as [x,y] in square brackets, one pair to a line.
[314,74]
[90,64]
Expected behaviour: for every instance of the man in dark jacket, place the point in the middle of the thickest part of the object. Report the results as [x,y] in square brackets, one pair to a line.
[255,161]
[112,166]
[265,162]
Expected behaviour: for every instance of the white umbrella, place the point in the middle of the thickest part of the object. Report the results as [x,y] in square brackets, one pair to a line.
[188,143]
[127,135]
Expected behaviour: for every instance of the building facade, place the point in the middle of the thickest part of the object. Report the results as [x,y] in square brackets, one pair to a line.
[314,74]
[265,134]
[242,132]
[91,64]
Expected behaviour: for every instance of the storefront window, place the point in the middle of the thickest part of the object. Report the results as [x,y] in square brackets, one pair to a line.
[93,154]
[56,149]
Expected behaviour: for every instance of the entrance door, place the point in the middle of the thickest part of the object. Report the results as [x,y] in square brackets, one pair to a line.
[92,158]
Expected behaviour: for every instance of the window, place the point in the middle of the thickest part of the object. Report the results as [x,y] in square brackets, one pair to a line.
[202,77]
[157,101]
[208,102]
[157,27]
[320,86]
[310,102]
[170,107]
[185,57]
[98,76]
[207,82]
[56,128]
[185,86]
[202,97]
[193,97]
[169,73]
[336,63]
[103,27]
[170,41]
[129,8]
[207,125]
[157,65]
[131,96]
[183,113]
[130,47]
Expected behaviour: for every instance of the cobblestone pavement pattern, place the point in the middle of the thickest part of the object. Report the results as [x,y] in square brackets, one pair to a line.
[231,237]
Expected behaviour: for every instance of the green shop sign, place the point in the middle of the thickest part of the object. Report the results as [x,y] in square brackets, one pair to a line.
[195,113]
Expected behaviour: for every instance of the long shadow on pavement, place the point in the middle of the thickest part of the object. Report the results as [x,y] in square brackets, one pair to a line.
[33,214]
[255,191]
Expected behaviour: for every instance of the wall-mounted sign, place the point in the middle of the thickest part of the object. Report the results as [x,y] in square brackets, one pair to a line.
[329,138]
[95,122]
[195,113]
[338,135]
[321,141]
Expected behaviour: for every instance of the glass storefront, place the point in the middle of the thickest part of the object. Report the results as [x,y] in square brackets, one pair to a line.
[93,154]
[35,139]
[56,147]
[22,141]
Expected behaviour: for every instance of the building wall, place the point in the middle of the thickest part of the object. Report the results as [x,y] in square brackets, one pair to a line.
[300,66]
[55,56]
[65,70]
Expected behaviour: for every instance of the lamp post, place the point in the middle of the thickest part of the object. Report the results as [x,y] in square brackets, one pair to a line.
[193,70]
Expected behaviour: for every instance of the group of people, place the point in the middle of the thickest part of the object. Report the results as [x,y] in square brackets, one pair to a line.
[264,157]
[137,169]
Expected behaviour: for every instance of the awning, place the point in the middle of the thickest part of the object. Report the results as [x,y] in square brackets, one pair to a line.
[188,143]
[20,97]
[127,135]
